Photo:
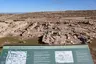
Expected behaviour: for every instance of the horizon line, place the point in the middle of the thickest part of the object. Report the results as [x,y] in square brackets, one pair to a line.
[41,11]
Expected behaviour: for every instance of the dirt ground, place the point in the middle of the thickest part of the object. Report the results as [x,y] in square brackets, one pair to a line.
[93,50]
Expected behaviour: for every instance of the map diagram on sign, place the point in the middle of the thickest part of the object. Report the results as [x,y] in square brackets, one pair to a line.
[64,57]
[16,57]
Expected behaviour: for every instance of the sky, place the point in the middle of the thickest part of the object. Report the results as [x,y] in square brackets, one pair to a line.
[13,6]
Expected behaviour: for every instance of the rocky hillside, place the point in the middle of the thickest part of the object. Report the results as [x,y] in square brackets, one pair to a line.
[68,27]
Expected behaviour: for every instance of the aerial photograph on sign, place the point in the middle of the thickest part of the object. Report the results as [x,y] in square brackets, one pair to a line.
[47,31]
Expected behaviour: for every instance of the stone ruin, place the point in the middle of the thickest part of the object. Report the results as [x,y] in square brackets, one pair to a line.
[61,32]
[55,38]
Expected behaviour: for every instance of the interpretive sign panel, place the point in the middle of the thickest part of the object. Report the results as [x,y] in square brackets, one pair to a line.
[76,54]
